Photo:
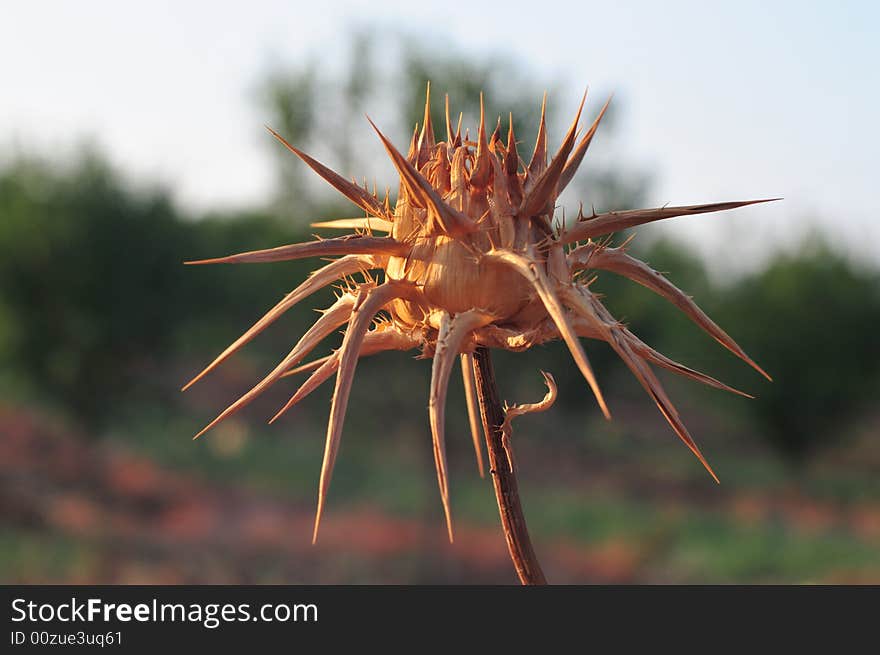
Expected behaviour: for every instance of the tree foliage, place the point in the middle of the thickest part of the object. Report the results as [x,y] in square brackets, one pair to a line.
[812,316]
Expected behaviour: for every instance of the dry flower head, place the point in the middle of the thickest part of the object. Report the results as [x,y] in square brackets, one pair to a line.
[469,257]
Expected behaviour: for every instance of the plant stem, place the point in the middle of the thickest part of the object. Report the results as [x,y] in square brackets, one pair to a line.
[503,478]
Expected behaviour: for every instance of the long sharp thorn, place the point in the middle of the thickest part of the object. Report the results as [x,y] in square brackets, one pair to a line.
[436,403]
[615,260]
[511,167]
[329,321]
[616,221]
[600,324]
[351,191]
[652,385]
[511,160]
[578,155]
[426,137]
[449,136]
[366,305]
[329,365]
[470,394]
[482,167]
[496,135]
[348,245]
[661,360]
[539,156]
[445,217]
[375,341]
[412,154]
[451,335]
[307,367]
[619,341]
[368,223]
[317,280]
[544,190]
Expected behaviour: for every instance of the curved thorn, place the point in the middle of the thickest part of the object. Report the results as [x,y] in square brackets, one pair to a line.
[512,412]
[530,408]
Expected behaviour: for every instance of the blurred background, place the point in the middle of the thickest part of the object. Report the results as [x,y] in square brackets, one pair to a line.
[131,139]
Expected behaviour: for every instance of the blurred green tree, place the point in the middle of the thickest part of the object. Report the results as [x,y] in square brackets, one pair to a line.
[289,98]
[94,300]
[88,273]
[810,318]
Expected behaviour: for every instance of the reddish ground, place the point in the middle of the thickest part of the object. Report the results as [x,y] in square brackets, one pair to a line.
[126,519]
[145,524]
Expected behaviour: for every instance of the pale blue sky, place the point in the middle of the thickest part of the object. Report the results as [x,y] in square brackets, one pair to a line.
[721,100]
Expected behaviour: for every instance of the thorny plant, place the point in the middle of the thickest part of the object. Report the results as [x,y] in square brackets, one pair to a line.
[472,259]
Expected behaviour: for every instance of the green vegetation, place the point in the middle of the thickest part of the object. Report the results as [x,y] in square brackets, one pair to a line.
[819,341]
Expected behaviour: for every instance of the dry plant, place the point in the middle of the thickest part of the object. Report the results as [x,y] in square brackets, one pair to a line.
[471,259]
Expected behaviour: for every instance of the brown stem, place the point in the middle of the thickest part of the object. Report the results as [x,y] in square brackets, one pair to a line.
[503,478]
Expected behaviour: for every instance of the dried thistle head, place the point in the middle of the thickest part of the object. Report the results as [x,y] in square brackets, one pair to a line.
[472,258]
